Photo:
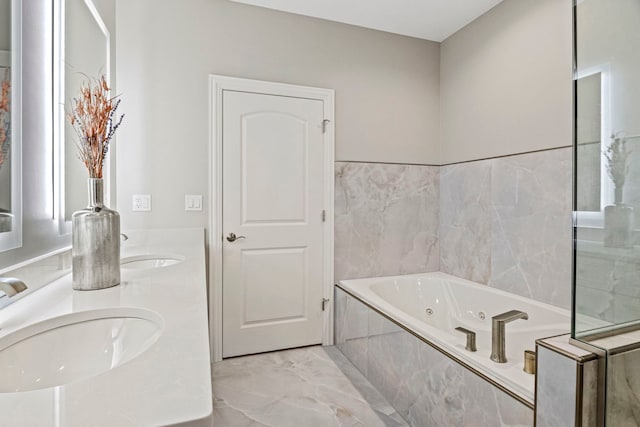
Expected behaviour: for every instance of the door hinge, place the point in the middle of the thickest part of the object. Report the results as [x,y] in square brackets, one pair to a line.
[324,215]
[325,122]
[325,301]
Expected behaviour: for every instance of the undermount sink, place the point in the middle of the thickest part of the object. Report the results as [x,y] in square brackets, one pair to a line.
[74,347]
[150,261]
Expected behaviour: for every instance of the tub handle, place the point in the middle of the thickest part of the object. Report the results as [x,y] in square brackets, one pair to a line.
[471,338]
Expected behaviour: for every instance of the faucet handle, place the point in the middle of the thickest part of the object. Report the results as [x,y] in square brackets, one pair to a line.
[471,338]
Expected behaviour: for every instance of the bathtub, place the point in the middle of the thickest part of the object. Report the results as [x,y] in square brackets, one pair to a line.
[432,305]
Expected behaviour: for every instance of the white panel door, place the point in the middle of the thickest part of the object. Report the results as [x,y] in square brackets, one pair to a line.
[272,164]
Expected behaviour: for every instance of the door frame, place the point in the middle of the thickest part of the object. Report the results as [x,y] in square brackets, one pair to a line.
[218,84]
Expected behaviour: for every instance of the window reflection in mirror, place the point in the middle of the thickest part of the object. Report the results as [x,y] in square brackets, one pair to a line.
[594,188]
[83,46]
[589,142]
[10,143]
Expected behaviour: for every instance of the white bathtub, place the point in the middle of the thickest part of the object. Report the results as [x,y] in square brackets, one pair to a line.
[454,302]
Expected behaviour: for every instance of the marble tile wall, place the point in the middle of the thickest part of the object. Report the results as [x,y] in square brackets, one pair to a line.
[556,386]
[561,367]
[606,280]
[623,389]
[506,222]
[465,220]
[386,219]
[424,386]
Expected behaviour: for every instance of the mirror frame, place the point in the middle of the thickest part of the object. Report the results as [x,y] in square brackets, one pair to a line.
[13,239]
[595,219]
[59,113]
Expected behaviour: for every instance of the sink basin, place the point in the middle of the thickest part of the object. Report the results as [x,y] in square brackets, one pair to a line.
[74,347]
[150,261]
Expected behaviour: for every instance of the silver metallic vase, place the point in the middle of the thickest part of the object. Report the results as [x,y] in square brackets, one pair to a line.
[6,221]
[96,243]
[619,226]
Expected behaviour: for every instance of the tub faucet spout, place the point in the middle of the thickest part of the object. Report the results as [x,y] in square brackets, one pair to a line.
[10,286]
[498,323]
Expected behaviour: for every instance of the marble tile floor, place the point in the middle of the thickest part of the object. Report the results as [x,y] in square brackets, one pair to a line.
[306,387]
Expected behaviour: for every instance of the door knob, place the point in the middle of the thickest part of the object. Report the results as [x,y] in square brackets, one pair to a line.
[232,237]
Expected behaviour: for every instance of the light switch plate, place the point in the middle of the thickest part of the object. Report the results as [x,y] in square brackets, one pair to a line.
[193,202]
[142,202]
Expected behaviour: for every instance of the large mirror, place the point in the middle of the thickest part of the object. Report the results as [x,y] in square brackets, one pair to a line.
[82,52]
[10,126]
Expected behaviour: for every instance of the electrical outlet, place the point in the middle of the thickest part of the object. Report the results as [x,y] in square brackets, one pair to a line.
[193,202]
[142,202]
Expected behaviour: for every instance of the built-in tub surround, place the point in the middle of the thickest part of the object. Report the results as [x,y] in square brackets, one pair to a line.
[566,384]
[425,386]
[506,222]
[432,305]
[168,383]
[386,219]
[623,385]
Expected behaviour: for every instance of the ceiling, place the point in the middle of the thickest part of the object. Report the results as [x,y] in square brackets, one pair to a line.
[426,19]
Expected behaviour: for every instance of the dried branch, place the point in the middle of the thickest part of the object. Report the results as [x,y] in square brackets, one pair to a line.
[95,122]
[5,116]
[617,155]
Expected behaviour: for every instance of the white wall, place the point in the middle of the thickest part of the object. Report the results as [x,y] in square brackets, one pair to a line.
[387,91]
[506,82]
[608,40]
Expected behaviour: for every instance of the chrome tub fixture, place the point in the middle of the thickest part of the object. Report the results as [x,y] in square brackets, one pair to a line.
[498,333]
[10,287]
[529,362]
[471,338]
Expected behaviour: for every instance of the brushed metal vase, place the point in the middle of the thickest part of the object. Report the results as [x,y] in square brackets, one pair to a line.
[96,243]
[6,221]
[619,226]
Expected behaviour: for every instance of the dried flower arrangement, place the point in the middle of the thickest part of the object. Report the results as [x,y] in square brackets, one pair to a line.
[5,116]
[93,117]
[617,155]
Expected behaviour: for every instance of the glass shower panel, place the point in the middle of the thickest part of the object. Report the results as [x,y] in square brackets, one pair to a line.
[607,184]
[607,200]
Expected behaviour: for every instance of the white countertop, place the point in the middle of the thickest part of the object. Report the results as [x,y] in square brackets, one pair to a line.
[170,383]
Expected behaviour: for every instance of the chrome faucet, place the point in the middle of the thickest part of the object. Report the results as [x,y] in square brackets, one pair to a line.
[498,333]
[471,338]
[11,286]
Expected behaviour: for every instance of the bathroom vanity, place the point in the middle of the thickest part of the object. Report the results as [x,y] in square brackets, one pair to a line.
[135,354]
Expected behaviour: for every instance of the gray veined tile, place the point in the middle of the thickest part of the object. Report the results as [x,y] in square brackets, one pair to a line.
[386,219]
[623,385]
[314,386]
[465,226]
[424,386]
[531,225]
